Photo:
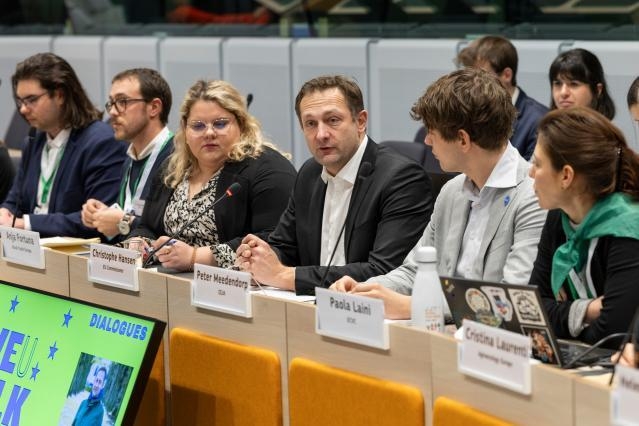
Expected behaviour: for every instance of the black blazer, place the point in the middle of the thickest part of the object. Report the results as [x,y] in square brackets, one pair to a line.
[614,269]
[387,214]
[266,186]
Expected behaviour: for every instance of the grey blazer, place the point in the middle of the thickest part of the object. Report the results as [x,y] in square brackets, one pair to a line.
[509,245]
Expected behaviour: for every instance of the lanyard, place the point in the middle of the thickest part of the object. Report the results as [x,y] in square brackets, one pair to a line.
[48,182]
[125,200]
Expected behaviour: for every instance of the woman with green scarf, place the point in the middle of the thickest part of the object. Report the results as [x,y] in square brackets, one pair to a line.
[587,266]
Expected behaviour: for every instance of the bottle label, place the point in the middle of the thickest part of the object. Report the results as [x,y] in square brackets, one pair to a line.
[433,317]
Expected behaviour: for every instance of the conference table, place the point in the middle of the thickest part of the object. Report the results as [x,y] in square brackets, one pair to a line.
[285,325]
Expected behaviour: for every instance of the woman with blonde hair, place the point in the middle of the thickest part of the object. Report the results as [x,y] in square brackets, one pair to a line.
[219,143]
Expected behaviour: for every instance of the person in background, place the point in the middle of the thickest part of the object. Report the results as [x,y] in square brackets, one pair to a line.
[487,222]
[633,107]
[577,79]
[70,155]
[219,143]
[586,269]
[357,208]
[498,55]
[7,171]
[139,105]
[91,410]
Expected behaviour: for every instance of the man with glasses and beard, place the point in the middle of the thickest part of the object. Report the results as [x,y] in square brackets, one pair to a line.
[139,105]
[70,156]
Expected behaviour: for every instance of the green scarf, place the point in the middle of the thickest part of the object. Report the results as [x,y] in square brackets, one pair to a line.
[615,215]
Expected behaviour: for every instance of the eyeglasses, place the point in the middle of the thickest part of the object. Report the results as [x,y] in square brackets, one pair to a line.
[28,101]
[121,104]
[199,128]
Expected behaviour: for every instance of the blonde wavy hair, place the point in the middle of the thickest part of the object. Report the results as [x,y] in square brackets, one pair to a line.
[251,143]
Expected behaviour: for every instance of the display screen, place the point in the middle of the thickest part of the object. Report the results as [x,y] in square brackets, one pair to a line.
[65,362]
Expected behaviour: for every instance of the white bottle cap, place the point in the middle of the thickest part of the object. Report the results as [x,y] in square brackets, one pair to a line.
[426,254]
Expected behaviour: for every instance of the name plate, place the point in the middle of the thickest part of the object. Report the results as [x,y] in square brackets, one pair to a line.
[22,247]
[114,266]
[349,317]
[495,355]
[624,398]
[222,290]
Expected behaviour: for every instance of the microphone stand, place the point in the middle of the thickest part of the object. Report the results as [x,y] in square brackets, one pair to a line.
[230,191]
[25,159]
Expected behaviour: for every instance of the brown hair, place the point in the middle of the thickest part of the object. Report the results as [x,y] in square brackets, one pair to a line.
[470,99]
[152,85]
[594,147]
[54,73]
[348,87]
[498,51]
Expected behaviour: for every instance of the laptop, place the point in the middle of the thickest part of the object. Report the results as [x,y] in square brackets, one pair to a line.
[519,309]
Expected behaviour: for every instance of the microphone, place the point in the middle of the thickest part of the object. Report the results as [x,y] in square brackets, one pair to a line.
[249,100]
[24,160]
[230,191]
[365,170]
[583,356]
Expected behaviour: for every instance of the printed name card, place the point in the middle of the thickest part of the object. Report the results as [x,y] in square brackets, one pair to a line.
[114,266]
[624,398]
[22,247]
[222,290]
[495,355]
[357,319]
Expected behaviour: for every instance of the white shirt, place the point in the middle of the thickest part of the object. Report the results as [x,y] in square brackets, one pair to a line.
[504,175]
[336,202]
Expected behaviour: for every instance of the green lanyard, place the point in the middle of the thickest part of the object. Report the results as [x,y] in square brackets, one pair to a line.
[48,182]
[143,173]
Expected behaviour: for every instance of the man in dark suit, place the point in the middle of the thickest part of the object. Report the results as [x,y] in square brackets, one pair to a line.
[356,206]
[497,55]
[139,105]
[70,155]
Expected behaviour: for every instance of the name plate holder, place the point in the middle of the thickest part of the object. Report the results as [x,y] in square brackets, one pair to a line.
[496,356]
[114,266]
[624,398]
[22,247]
[352,318]
[222,290]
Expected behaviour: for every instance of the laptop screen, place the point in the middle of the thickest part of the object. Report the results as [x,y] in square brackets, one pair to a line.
[64,360]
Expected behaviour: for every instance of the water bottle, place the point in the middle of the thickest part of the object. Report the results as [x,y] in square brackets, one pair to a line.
[427,309]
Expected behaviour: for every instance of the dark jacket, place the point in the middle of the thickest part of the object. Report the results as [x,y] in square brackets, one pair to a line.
[386,216]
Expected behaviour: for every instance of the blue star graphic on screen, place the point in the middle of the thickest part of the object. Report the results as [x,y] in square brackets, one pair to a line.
[14,303]
[67,318]
[34,372]
[52,350]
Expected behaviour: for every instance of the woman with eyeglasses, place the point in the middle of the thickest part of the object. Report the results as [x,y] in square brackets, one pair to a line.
[588,258]
[577,79]
[218,144]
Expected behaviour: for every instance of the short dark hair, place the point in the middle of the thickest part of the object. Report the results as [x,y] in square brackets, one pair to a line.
[582,65]
[470,99]
[498,51]
[54,73]
[152,85]
[348,87]
[106,373]
[633,93]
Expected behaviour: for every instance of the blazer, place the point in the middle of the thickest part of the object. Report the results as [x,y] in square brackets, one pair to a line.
[614,268]
[524,136]
[90,168]
[256,208]
[509,244]
[529,112]
[386,215]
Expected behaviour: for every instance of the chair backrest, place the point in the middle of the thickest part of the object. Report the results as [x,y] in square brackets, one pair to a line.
[448,412]
[16,132]
[322,395]
[423,154]
[215,381]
